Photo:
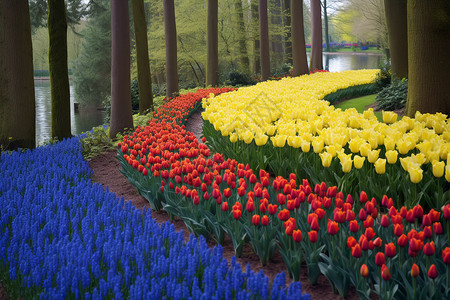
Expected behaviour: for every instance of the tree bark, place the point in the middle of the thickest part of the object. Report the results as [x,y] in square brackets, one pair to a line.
[17,101]
[143,64]
[212,60]
[276,38]
[264,40]
[325,21]
[242,37]
[256,52]
[121,114]
[299,60]
[316,62]
[396,20]
[171,49]
[428,59]
[288,38]
[58,69]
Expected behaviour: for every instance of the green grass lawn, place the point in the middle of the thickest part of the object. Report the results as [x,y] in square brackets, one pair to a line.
[360,104]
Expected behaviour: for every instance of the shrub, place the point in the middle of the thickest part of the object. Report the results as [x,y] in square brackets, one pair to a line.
[236,78]
[393,96]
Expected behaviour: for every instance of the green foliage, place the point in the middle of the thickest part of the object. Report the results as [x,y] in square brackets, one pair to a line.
[236,78]
[134,94]
[359,90]
[96,142]
[393,96]
[92,69]
[384,78]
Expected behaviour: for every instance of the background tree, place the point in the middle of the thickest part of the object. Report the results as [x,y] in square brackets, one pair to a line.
[17,101]
[277,34]
[288,29]
[428,60]
[396,21]
[255,32]
[212,62]
[171,48]
[264,40]
[299,60]
[316,62]
[143,66]
[121,114]
[92,69]
[58,69]
[242,36]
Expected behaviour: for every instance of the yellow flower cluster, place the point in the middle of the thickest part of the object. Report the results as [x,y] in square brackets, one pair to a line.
[291,111]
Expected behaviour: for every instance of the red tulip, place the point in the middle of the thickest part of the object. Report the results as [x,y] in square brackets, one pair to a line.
[225,206]
[446,255]
[415,244]
[333,227]
[272,209]
[385,273]
[447,212]
[418,211]
[403,211]
[281,199]
[432,272]
[364,270]
[377,242]
[297,235]
[263,207]
[227,193]
[429,249]
[312,235]
[283,215]
[237,214]
[363,197]
[315,224]
[434,215]
[364,242]
[349,215]
[256,219]
[426,221]
[369,233]
[437,227]
[351,242]
[390,250]
[384,221]
[368,222]
[402,240]
[339,216]
[410,217]
[354,226]
[362,214]
[265,220]
[250,205]
[379,259]
[241,191]
[415,271]
[320,213]
[427,231]
[196,200]
[356,251]
[398,229]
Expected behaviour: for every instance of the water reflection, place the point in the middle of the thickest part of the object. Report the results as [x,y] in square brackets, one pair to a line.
[337,62]
[80,122]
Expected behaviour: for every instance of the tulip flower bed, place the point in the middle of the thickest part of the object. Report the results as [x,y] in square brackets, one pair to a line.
[361,241]
[284,126]
[61,236]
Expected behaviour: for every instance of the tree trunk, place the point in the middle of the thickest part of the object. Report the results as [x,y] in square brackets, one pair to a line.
[288,38]
[143,65]
[171,49]
[264,40]
[256,52]
[299,60]
[58,69]
[428,59]
[121,114]
[212,60]
[242,37]
[396,21]
[276,39]
[316,36]
[17,102]
[325,21]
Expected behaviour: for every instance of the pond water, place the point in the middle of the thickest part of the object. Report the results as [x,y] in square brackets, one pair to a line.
[84,120]
[80,121]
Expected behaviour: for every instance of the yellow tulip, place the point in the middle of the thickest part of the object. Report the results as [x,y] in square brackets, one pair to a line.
[389,117]
[318,144]
[389,143]
[391,156]
[306,146]
[346,164]
[355,144]
[403,146]
[326,159]
[278,141]
[380,166]
[261,139]
[369,114]
[295,141]
[233,138]
[415,174]
[438,168]
[447,173]
[247,137]
[270,130]
[358,161]
[372,155]
[331,149]
[364,149]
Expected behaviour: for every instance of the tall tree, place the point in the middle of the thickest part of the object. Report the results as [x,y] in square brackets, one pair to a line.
[17,101]
[58,69]
[171,48]
[287,40]
[256,53]
[299,60]
[316,62]
[212,60]
[121,114]
[396,21]
[276,34]
[242,36]
[325,20]
[264,40]
[428,60]
[143,65]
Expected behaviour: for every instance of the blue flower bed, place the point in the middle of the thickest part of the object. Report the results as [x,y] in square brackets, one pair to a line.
[62,236]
